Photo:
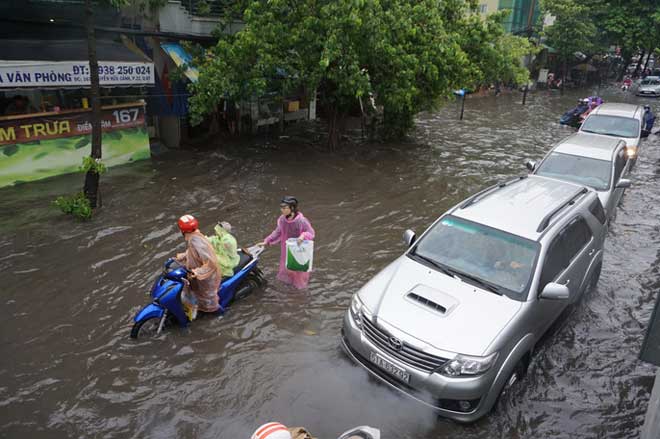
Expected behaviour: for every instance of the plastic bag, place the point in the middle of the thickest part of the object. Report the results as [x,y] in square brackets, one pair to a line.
[299,257]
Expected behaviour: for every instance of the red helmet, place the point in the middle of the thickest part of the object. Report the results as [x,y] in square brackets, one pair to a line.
[188,224]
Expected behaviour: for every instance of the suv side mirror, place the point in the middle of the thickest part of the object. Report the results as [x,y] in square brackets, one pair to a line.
[623,183]
[554,291]
[531,165]
[409,237]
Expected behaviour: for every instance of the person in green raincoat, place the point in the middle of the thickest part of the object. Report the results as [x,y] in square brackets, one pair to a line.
[226,248]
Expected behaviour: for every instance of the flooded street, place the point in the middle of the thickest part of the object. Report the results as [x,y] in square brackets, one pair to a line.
[68,368]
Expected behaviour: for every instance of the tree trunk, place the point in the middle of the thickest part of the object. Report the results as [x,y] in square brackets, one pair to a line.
[333,128]
[563,75]
[622,72]
[635,73]
[646,64]
[92,178]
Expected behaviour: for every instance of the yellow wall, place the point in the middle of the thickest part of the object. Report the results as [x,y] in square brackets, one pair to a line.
[488,6]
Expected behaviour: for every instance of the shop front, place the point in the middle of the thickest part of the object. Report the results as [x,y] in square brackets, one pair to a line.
[45,119]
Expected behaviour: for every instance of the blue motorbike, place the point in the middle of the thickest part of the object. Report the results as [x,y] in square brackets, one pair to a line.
[166,308]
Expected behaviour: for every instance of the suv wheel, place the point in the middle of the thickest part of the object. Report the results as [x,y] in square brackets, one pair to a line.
[517,374]
[595,276]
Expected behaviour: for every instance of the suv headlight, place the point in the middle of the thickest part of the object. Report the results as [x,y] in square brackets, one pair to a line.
[631,151]
[466,365]
[356,310]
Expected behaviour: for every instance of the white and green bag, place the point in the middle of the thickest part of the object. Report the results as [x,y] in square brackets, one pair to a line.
[299,257]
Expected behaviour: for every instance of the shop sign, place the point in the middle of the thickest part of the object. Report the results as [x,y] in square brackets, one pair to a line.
[17,74]
[36,147]
[54,126]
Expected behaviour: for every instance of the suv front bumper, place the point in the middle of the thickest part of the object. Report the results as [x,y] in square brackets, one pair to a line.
[438,392]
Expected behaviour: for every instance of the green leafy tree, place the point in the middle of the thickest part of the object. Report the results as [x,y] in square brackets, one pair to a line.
[632,25]
[573,30]
[407,54]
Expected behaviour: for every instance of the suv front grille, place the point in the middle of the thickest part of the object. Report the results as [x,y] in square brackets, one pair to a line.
[407,354]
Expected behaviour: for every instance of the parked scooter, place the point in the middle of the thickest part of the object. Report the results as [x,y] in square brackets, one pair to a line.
[166,308]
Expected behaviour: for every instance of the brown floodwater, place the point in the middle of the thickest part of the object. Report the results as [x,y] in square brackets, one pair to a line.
[69,370]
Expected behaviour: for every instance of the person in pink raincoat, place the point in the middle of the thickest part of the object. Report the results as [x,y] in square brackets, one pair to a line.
[291,224]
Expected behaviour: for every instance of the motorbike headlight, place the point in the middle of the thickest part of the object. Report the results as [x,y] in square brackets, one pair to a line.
[356,310]
[466,365]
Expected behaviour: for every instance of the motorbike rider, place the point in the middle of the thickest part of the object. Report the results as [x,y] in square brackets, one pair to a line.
[202,264]
[648,119]
[226,248]
[627,83]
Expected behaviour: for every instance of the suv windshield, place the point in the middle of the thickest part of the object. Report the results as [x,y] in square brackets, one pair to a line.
[582,170]
[611,126]
[499,261]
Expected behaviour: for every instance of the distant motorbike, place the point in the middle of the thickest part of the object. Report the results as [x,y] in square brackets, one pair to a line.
[573,116]
[627,83]
[166,308]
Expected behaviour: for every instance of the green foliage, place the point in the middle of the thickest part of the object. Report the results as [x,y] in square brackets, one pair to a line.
[92,164]
[77,205]
[203,8]
[408,54]
[573,30]
[591,26]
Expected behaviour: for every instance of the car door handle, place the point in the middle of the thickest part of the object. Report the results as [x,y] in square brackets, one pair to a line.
[591,253]
[568,281]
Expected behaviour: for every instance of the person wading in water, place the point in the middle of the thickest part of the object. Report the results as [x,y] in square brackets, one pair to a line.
[291,224]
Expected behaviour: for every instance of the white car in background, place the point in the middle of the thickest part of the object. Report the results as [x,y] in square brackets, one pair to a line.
[649,87]
[622,121]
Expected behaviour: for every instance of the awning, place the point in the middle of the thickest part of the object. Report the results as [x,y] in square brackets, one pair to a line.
[181,58]
[548,48]
[65,64]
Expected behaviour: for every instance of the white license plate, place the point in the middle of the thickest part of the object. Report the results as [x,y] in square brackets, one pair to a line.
[388,367]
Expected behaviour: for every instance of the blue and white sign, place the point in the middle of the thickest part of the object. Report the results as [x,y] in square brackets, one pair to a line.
[24,74]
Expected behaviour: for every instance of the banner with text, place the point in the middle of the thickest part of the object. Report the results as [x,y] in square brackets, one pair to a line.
[33,148]
[17,74]
[52,126]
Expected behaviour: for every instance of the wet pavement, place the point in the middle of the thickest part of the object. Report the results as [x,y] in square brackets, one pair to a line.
[68,368]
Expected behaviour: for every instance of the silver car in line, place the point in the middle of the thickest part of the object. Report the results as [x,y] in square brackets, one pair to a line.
[596,161]
[623,121]
[453,322]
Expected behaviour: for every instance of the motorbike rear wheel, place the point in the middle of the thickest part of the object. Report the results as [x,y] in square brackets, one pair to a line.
[148,328]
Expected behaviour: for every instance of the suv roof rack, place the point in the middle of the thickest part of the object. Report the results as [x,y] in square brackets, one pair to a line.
[481,194]
[545,222]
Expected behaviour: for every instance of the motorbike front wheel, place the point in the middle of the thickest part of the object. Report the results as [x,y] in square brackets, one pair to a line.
[148,328]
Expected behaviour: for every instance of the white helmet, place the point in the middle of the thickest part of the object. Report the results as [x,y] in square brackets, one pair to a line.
[272,430]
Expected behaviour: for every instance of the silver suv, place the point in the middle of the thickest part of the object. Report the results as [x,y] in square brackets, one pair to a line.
[453,322]
[595,161]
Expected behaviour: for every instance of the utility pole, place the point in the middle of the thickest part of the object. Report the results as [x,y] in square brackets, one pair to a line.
[530,17]
[91,186]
